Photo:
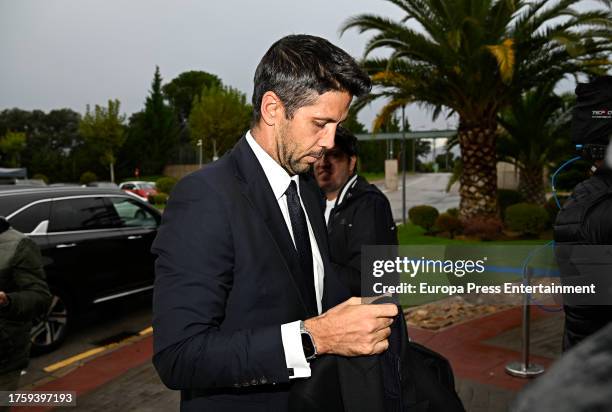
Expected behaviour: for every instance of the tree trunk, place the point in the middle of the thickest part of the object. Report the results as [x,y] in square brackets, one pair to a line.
[112,172]
[478,188]
[531,184]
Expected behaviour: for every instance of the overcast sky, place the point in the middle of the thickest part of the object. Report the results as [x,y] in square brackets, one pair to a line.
[68,53]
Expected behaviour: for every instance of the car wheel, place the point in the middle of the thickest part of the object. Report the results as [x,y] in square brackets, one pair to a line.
[49,332]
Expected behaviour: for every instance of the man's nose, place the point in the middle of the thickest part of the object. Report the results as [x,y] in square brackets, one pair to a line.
[327,141]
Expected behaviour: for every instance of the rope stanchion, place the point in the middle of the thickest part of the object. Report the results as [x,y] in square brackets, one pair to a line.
[524,368]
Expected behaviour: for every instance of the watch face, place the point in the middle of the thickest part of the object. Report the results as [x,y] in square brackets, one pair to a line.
[307,345]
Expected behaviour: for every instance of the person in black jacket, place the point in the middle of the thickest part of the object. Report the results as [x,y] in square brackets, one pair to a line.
[357,212]
[584,218]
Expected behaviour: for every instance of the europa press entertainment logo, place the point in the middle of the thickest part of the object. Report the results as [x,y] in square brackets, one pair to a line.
[601,114]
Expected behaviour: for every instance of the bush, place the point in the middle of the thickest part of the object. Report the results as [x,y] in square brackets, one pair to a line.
[453,211]
[159,199]
[165,184]
[526,218]
[485,228]
[426,167]
[507,197]
[87,178]
[40,176]
[448,223]
[424,216]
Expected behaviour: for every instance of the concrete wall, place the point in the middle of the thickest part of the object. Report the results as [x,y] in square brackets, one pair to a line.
[507,176]
[391,174]
[179,171]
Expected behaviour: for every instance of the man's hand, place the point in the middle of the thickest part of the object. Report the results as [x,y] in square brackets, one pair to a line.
[4,300]
[352,328]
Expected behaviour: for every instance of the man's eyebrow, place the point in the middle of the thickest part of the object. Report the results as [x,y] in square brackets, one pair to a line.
[328,119]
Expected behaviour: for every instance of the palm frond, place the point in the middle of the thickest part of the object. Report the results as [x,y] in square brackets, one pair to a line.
[504,54]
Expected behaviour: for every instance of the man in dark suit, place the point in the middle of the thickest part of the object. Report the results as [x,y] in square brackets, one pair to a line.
[248,315]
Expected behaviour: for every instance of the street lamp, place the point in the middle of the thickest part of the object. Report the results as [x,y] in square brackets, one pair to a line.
[200,146]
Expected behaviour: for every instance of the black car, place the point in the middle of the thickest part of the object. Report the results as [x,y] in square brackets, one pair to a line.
[95,245]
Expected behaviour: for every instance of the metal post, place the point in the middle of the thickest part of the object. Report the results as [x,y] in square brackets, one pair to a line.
[414,143]
[200,147]
[446,155]
[434,149]
[403,165]
[525,369]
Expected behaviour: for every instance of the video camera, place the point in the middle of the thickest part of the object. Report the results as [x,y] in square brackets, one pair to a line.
[592,118]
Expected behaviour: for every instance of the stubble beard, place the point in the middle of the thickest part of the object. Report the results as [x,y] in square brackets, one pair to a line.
[286,149]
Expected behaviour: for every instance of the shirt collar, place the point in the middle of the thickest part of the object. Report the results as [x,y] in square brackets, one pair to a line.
[347,186]
[278,177]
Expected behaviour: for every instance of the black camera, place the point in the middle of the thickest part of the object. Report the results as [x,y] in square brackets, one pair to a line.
[592,117]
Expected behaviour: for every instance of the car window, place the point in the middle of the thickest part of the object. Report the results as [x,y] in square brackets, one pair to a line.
[132,214]
[81,214]
[28,219]
[128,186]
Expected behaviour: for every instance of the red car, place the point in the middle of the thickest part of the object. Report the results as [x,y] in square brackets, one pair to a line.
[142,189]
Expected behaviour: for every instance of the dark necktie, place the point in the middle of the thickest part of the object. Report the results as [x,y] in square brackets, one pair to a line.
[302,244]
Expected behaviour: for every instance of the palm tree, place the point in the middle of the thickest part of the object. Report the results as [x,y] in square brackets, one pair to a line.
[535,134]
[475,57]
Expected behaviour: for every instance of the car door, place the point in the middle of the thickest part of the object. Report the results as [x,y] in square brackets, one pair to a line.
[139,224]
[84,244]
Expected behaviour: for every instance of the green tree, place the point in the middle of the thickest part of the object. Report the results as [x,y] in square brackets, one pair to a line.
[352,124]
[219,117]
[475,57]
[183,89]
[153,134]
[11,146]
[103,130]
[536,131]
[54,146]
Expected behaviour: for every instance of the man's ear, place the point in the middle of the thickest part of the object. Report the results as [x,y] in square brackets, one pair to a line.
[271,108]
[352,163]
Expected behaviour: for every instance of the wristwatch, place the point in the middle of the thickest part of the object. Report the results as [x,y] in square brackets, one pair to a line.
[7,302]
[308,344]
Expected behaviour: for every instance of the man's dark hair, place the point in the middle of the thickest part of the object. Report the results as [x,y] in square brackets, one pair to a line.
[346,142]
[299,68]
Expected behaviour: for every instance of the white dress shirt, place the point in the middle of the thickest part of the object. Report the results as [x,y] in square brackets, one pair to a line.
[279,180]
[329,205]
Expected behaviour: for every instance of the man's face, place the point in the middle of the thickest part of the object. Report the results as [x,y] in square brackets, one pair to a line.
[333,170]
[302,140]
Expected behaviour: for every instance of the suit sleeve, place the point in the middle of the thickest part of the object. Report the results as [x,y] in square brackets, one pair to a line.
[193,279]
[372,225]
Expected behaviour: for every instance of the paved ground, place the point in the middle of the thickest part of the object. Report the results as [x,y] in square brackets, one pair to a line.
[422,189]
[124,379]
[104,324]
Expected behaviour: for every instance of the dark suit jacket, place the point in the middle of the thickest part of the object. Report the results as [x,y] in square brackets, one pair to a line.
[225,282]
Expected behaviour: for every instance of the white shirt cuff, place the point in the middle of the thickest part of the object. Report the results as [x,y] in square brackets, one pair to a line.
[294,353]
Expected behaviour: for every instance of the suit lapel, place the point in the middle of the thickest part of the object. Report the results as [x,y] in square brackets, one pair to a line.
[257,189]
